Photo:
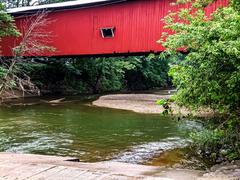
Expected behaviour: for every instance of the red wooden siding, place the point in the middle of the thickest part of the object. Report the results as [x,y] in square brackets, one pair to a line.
[138,27]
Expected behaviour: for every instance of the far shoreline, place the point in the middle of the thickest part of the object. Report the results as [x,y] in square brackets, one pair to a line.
[145,104]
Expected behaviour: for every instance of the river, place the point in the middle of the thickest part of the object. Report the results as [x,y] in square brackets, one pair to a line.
[92,134]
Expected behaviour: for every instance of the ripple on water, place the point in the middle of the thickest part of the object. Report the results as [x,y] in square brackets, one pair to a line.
[141,153]
[90,134]
[40,143]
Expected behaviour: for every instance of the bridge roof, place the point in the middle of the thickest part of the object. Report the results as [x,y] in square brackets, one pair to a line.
[62,6]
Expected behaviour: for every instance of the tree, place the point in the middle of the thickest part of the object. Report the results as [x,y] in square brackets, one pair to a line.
[210,74]
[33,40]
[7,26]
[148,72]
[103,74]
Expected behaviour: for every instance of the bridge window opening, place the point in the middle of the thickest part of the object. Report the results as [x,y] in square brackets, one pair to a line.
[107,32]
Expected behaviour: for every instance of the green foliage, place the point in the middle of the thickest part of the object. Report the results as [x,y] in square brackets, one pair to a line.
[166,104]
[7,26]
[235,4]
[97,75]
[3,72]
[209,76]
[161,102]
[208,142]
[218,143]
[103,74]
[53,76]
[148,73]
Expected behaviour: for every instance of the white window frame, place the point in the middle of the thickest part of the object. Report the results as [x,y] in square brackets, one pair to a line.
[106,28]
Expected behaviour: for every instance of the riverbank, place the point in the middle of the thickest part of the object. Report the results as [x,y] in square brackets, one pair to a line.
[28,166]
[223,171]
[9,96]
[144,103]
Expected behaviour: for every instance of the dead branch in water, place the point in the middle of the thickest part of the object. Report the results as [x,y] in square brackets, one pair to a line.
[55,101]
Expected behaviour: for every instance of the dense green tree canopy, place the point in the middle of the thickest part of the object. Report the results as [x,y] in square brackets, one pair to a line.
[210,74]
[97,75]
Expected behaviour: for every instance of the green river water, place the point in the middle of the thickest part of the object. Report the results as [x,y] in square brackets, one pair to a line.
[89,133]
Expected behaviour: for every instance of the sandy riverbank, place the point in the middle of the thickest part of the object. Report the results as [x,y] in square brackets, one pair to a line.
[143,103]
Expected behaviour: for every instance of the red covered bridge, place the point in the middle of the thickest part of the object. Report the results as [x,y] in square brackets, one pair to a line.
[102,27]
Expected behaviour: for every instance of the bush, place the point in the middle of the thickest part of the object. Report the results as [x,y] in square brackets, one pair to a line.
[210,74]
[218,143]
